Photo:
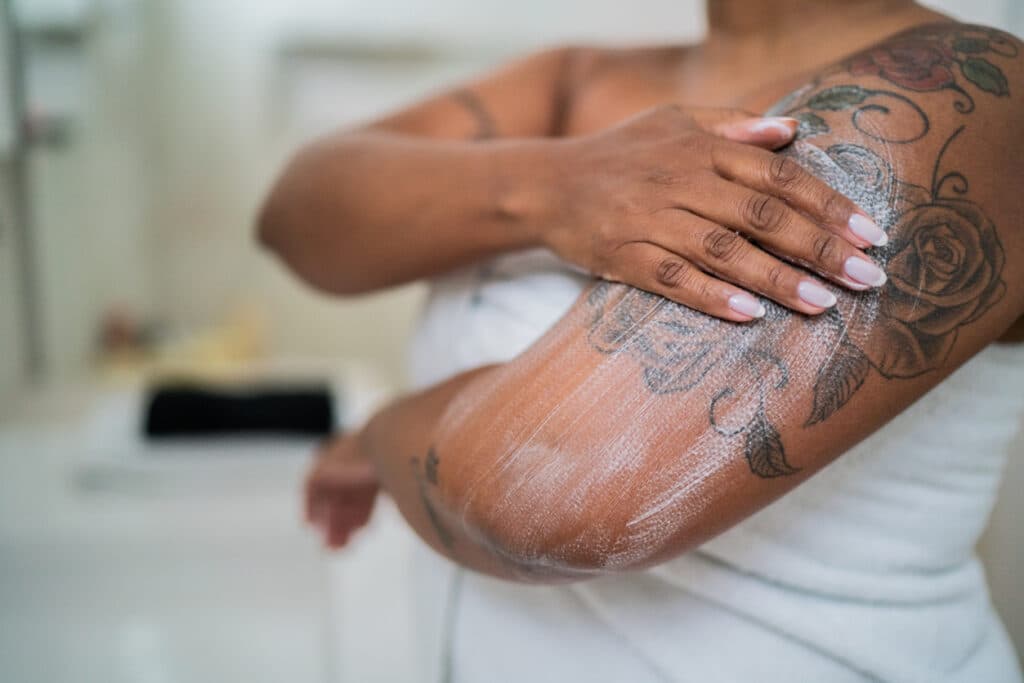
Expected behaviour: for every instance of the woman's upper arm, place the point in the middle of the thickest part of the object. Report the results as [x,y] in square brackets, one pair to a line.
[637,428]
[525,98]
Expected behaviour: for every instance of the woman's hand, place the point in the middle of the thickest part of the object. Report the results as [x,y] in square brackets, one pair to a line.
[341,488]
[688,203]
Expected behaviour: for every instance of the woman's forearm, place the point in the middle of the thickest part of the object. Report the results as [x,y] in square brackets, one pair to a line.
[399,440]
[366,210]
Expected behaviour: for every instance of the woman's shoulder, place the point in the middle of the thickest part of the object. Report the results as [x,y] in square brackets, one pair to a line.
[1014,335]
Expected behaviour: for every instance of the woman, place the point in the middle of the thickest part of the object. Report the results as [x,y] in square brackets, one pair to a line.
[631,444]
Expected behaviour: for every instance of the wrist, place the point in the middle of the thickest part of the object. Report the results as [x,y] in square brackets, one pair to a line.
[366,438]
[528,193]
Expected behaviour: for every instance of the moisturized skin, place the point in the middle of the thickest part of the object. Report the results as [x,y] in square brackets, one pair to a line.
[638,428]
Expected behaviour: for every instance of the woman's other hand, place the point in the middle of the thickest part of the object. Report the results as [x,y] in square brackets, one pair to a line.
[693,205]
[340,490]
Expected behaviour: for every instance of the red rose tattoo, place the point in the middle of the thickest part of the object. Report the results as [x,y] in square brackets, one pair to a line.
[927,59]
[932,58]
[913,64]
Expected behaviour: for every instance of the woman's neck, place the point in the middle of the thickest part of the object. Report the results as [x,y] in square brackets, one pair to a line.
[764,19]
[790,36]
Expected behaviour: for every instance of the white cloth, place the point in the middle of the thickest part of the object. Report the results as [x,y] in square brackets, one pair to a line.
[866,572]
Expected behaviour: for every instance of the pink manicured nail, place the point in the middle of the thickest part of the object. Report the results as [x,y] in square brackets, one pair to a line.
[866,229]
[779,125]
[744,304]
[864,272]
[814,294]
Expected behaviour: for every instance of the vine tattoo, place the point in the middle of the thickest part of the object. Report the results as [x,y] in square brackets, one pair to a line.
[927,59]
[426,477]
[944,258]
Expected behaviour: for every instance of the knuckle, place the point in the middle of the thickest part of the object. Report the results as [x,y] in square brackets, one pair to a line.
[722,244]
[606,237]
[836,207]
[692,142]
[707,292]
[777,276]
[765,213]
[825,248]
[671,272]
[665,178]
[783,172]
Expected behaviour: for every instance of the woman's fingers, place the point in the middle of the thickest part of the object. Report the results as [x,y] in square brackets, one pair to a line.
[779,176]
[785,231]
[712,269]
[339,518]
[728,255]
[657,270]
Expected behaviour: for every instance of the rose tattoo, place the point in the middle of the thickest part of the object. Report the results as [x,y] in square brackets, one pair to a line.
[944,274]
[945,265]
[912,64]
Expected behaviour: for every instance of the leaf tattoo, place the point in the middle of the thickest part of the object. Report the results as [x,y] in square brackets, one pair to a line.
[838,381]
[810,125]
[764,450]
[985,75]
[838,98]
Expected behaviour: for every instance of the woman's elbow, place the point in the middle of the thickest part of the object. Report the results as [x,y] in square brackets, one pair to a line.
[270,227]
[323,261]
[551,533]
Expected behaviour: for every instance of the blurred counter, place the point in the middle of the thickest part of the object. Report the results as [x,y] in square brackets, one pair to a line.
[124,562]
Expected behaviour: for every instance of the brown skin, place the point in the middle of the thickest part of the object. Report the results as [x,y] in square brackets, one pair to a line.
[604,93]
[340,490]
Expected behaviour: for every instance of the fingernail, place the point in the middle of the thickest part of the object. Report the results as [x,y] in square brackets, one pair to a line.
[780,125]
[866,229]
[864,272]
[744,304]
[814,294]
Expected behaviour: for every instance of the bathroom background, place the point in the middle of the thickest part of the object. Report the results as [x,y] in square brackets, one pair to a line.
[126,252]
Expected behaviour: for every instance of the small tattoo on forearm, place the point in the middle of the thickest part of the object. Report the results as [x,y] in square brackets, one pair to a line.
[486,127]
[427,476]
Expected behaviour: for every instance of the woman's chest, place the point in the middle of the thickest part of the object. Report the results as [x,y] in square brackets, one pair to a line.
[621,91]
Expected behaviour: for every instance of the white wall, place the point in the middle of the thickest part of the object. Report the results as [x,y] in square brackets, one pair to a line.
[11,351]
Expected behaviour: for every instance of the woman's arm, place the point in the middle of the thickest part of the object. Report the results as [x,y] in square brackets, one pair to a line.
[487,169]
[637,429]
[443,183]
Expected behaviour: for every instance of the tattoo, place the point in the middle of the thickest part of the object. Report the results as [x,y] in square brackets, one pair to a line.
[926,59]
[428,477]
[944,258]
[678,348]
[430,466]
[945,265]
[486,127]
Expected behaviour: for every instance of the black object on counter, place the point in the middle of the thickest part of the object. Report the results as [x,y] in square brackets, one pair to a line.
[190,410]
